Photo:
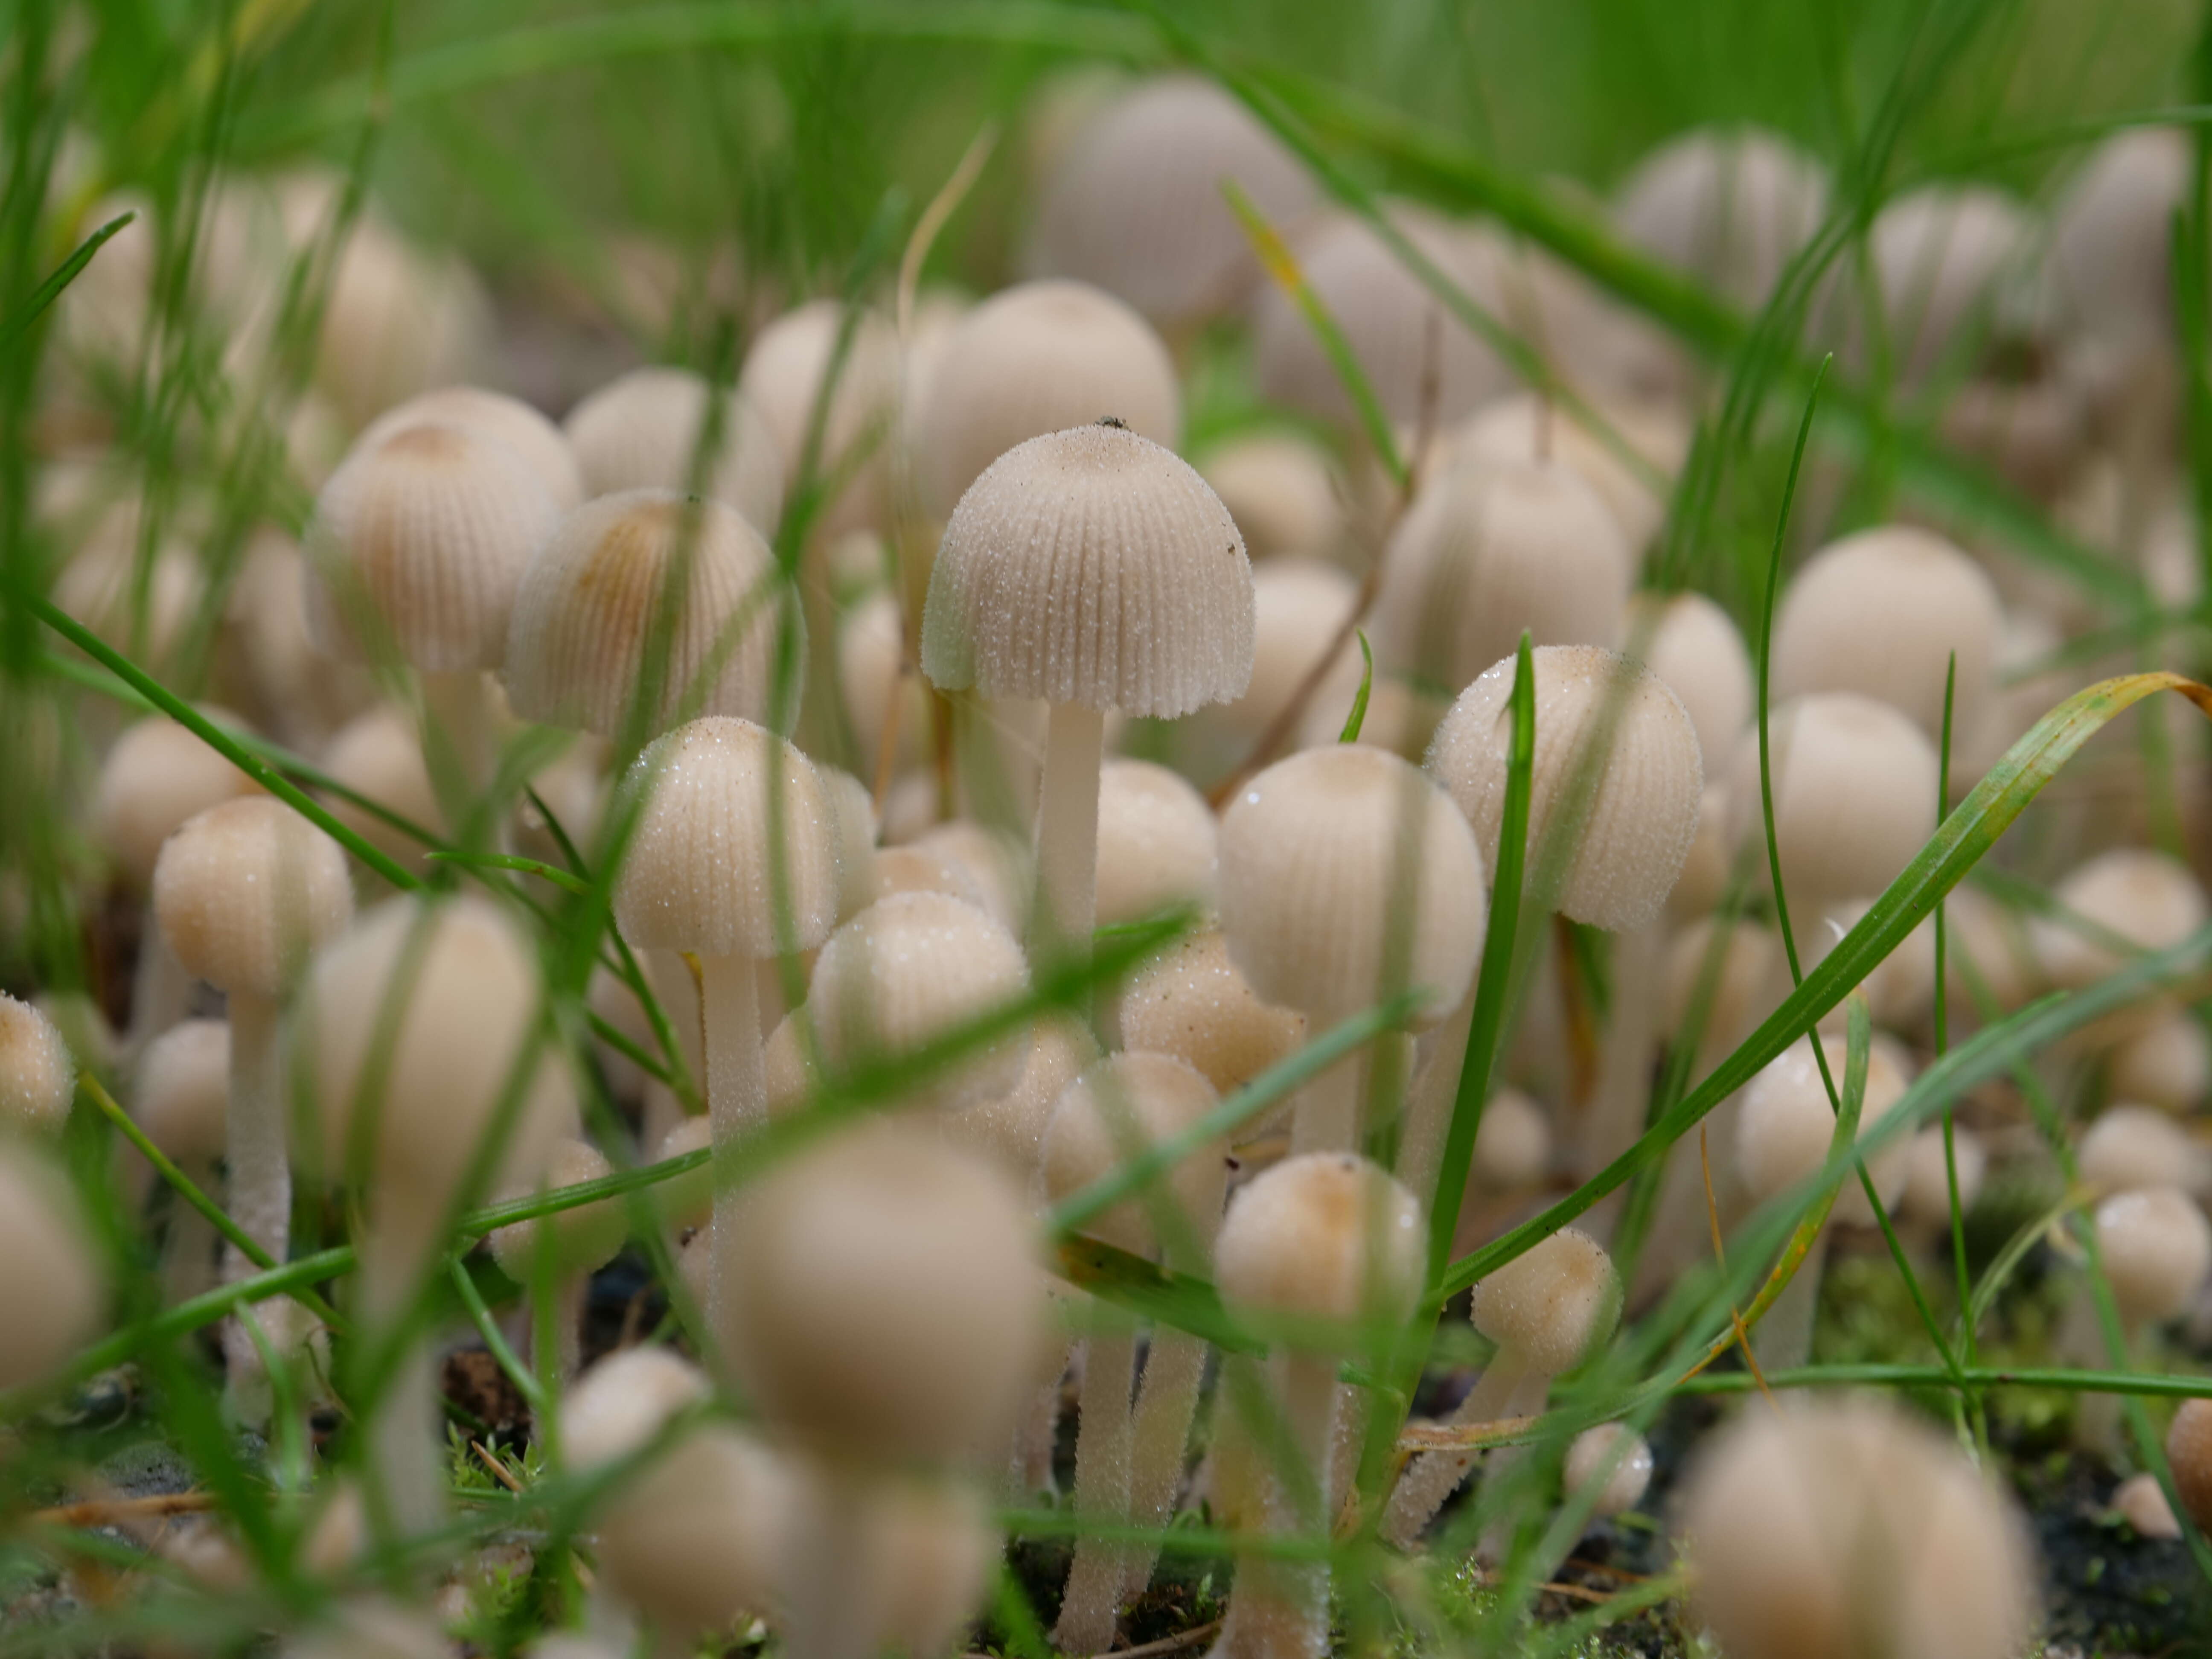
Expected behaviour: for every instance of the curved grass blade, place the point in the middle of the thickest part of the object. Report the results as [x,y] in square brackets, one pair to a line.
[1358,718]
[65,273]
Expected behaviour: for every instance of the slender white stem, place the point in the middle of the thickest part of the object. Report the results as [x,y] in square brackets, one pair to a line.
[457,722]
[1327,1116]
[1429,1104]
[161,989]
[188,1252]
[1782,1339]
[1279,1608]
[1616,1112]
[1528,1400]
[1068,834]
[1101,1491]
[260,1191]
[830,1616]
[569,1294]
[736,1096]
[1029,1464]
[1432,1478]
[1175,1366]
[406,1445]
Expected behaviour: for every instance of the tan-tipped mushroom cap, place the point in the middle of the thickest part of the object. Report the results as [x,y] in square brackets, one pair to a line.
[1787,1123]
[1135,202]
[583,1239]
[2169,1064]
[1854,795]
[1279,489]
[1616,1455]
[1324,858]
[1955,264]
[1692,645]
[157,776]
[785,370]
[1486,551]
[245,890]
[38,1078]
[2189,1451]
[639,433]
[542,445]
[1038,358]
[1845,1528]
[2149,899]
[1324,1236]
[1010,1130]
[588,604]
[1732,208]
[886,1302]
[1512,1144]
[1643,813]
[1881,613]
[1525,428]
[911,969]
[422,537]
[2130,1147]
[2155,1247]
[182,1094]
[1121,1107]
[1191,1001]
[1155,842]
[54,1293]
[699,875]
[1554,1305]
[378,754]
[1092,567]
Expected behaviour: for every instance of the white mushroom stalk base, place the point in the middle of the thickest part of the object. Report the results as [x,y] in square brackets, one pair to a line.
[1167,1399]
[829,1616]
[260,1190]
[406,1447]
[1068,836]
[1279,1608]
[161,989]
[1103,1447]
[737,1099]
[188,1250]
[1505,1389]
[461,749]
[1430,1101]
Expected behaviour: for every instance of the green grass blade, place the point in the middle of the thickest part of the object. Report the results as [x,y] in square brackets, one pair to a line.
[1358,718]
[49,290]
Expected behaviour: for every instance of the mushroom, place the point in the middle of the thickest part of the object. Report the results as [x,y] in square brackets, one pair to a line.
[1299,609]
[543,447]
[643,429]
[378,754]
[2140,1501]
[1313,1251]
[1845,1526]
[1278,488]
[2128,896]
[784,378]
[554,1256]
[1192,1001]
[1547,1311]
[1527,427]
[2168,1064]
[182,1102]
[2155,1247]
[1731,207]
[2111,235]
[38,1075]
[1924,1204]
[2131,1147]
[1156,843]
[1129,1466]
[1694,649]
[1955,267]
[54,1293]
[1347,876]
[2189,1454]
[1094,570]
[1614,1459]
[1008,1129]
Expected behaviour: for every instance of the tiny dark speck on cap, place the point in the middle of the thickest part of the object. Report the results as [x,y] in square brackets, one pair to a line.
[1114,421]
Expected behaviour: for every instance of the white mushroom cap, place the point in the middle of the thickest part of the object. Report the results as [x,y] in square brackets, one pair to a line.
[2140,1502]
[1730,207]
[587,605]
[542,445]
[1881,613]
[1323,855]
[1692,645]
[1155,842]
[1642,812]
[1323,1235]
[871,664]
[638,432]
[2146,897]
[1748,981]
[1955,264]
[53,1294]
[1486,551]
[1926,1198]
[157,776]
[397,319]
[1854,795]
[1523,427]
[2189,1453]
[424,535]
[1599,1454]
[1708,866]
[908,970]
[782,379]
[1787,1124]
[2156,1249]
[996,862]
[38,1077]
[886,1302]
[1554,1305]
[1298,609]
[1900,989]
[687,1200]
[1010,1130]
[1135,202]
[99,587]
[2168,1064]
[2112,237]
[378,754]
[1191,1001]
[1124,1105]
[1847,1527]
[1038,358]
[699,875]
[1512,1144]
[2130,1147]
[584,1239]
[1281,491]
[1092,567]
[182,1100]
[912,869]
[245,890]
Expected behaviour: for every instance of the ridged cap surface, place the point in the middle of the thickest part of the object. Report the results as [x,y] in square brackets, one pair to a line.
[638,433]
[542,445]
[244,890]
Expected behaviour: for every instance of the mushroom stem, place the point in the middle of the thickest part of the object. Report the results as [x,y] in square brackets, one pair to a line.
[737,1091]
[1327,1116]
[456,731]
[1429,1102]
[1280,1609]
[260,1191]
[403,1430]
[830,1617]
[677,992]
[188,1252]
[1101,1491]
[1616,1111]
[1029,1465]
[1432,1477]
[1174,1364]
[161,989]
[1068,834]
[568,1294]
[1783,1338]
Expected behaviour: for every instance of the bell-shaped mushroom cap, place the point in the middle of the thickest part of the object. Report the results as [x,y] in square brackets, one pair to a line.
[1299,610]
[885,1301]
[54,1293]
[1926,1198]
[912,869]
[1119,1108]
[2168,1063]
[908,970]
[1192,1002]
[463,990]
[1155,842]
[1526,428]
[1847,1527]
[1787,1123]
[785,370]
[1135,203]
[422,537]
[2189,1452]
[591,600]
[1323,1235]
[700,873]
[182,1096]
[1279,489]
[583,1239]
[1555,1305]
[2155,1247]
[997,863]
[1327,859]
[38,1078]
[1642,813]
[1880,613]
[1405,340]
[1512,1144]
[2145,898]
[1010,1130]
[1693,647]
[1487,551]
[1854,795]
[639,432]
[2130,1147]
[1039,358]
[1955,264]
[2112,239]
[378,754]
[1731,207]
[1092,567]
[542,445]
[245,890]
[157,776]
[1618,1457]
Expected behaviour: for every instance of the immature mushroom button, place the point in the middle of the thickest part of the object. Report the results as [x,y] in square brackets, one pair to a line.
[1615,1459]
[1280,490]
[379,756]
[38,1078]
[2168,1064]
[1729,206]
[786,376]
[54,1293]
[1299,609]
[1156,843]
[1528,427]
[1694,649]
[2130,896]
[2140,1502]
[641,430]
[1010,1129]
[1955,266]
[2130,1147]
[1192,1001]
[2189,1453]
[559,1253]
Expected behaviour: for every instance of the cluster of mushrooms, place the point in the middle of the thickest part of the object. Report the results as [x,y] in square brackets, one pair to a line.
[880,694]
